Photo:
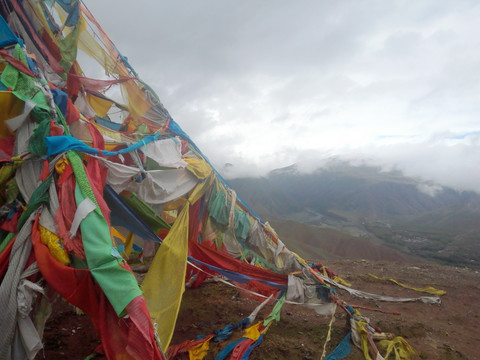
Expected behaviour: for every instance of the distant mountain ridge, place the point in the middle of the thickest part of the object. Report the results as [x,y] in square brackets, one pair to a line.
[386,208]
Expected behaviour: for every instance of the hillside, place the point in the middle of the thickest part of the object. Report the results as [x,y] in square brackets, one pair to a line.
[369,207]
[330,243]
[437,332]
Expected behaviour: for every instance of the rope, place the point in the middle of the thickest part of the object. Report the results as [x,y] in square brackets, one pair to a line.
[239,288]
[366,295]
[329,336]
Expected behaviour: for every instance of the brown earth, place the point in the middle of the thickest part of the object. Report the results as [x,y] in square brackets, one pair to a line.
[446,331]
[311,241]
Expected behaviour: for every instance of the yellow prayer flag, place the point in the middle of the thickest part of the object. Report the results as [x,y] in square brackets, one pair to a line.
[428,289]
[101,106]
[199,168]
[11,106]
[200,351]
[164,283]
[252,332]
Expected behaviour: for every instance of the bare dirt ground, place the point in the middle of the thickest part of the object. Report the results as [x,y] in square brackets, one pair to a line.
[446,331]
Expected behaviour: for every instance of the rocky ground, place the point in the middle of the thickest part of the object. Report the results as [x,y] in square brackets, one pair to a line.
[446,331]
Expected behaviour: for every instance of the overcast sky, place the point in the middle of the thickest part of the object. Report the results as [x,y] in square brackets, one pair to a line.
[263,84]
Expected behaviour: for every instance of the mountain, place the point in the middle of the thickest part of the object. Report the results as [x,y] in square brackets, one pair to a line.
[370,208]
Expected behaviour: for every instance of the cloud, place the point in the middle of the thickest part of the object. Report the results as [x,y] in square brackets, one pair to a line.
[262,85]
[429,189]
[438,161]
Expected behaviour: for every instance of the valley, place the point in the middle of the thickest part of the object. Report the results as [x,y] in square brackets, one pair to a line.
[367,213]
